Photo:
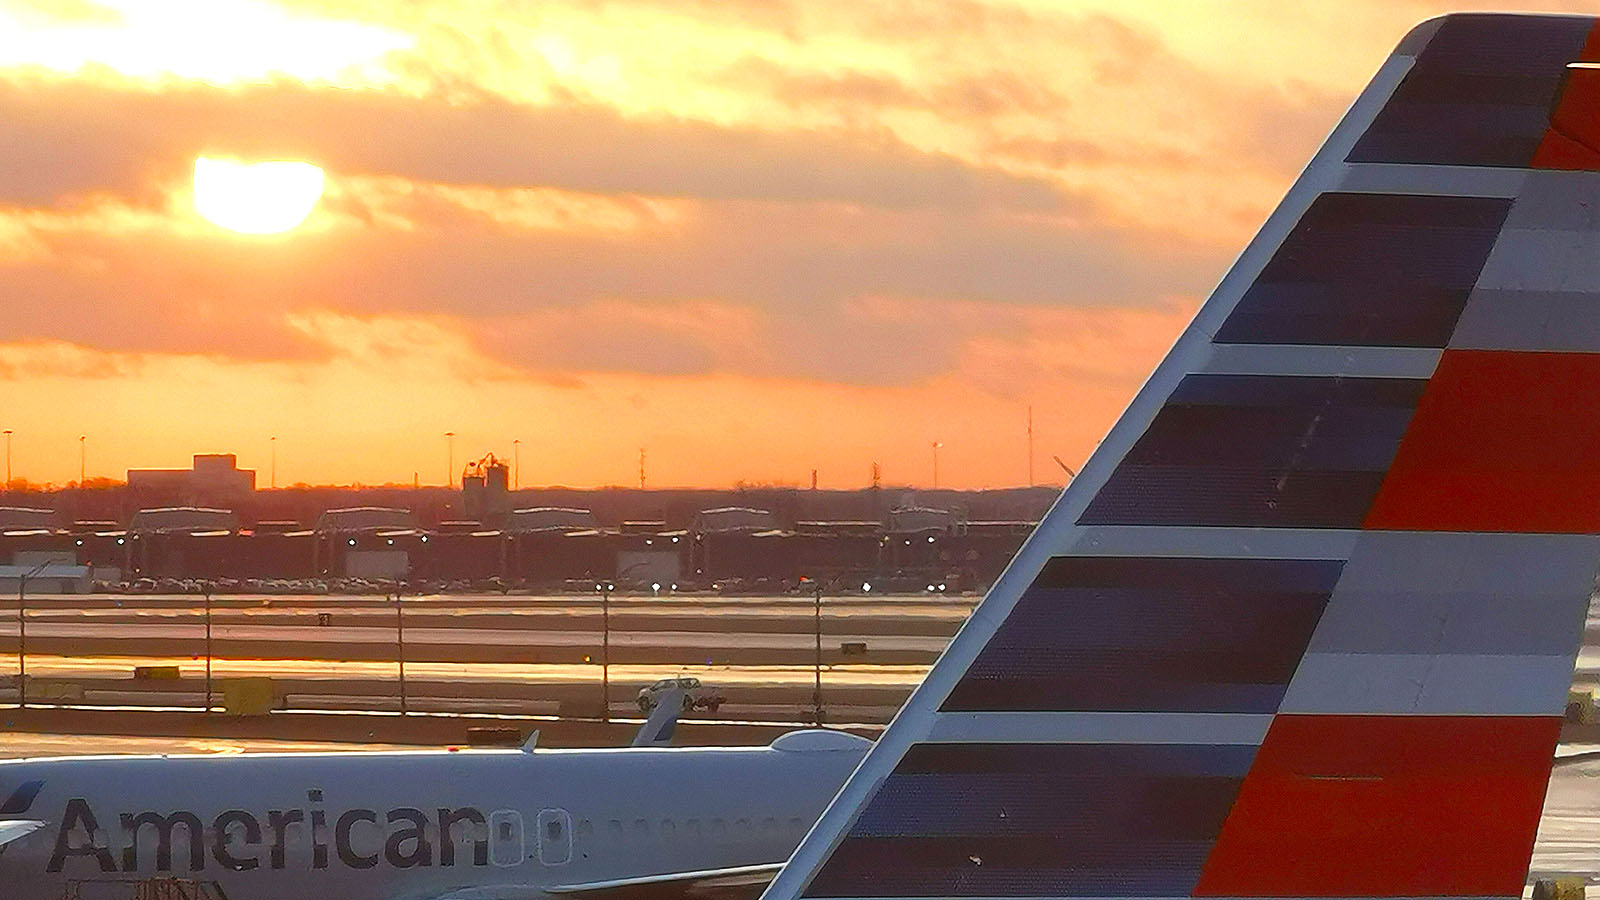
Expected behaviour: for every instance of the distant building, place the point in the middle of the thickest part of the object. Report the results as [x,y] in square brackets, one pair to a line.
[366,519]
[551,518]
[367,542]
[18,519]
[183,542]
[47,577]
[732,518]
[918,519]
[485,491]
[548,545]
[29,537]
[183,519]
[215,479]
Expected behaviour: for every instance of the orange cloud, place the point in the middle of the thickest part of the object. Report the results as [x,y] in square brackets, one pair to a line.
[757,236]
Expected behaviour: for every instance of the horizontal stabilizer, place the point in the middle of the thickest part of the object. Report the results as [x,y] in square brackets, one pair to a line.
[12,829]
[734,883]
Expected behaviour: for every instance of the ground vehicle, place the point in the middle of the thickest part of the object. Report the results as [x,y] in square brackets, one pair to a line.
[695,694]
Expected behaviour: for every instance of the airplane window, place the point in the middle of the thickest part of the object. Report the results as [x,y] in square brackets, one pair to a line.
[719,829]
[615,828]
[552,829]
[693,827]
[585,828]
[668,830]
[641,828]
[505,831]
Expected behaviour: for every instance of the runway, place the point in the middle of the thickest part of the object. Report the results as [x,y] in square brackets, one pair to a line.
[523,655]
[670,631]
[1569,831]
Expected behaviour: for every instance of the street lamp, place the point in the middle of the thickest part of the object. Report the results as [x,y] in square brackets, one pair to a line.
[605,588]
[516,465]
[83,456]
[936,446]
[7,485]
[816,691]
[273,443]
[400,646]
[205,587]
[22,633]
[450,467]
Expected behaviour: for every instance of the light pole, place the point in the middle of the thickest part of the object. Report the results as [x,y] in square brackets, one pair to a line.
[400,646]
[516,465]
[936,446]
[816,694]
[450,467]
[22,633]
[273,443]
[206,589]
[83,457]
[605,588]
[605,650]
[8,459]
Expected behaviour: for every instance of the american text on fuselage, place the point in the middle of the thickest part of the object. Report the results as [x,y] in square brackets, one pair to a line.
[311,838]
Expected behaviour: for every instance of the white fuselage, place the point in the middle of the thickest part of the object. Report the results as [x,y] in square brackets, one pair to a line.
[391,826]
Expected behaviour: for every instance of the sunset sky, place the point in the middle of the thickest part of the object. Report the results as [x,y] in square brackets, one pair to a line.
[756,237]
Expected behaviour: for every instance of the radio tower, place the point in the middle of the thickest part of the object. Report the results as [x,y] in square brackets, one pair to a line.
[1030,445]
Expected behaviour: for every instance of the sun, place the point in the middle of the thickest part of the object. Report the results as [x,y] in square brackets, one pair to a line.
[256,198]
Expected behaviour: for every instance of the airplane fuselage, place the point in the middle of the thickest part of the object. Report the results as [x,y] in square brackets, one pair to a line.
[412,824]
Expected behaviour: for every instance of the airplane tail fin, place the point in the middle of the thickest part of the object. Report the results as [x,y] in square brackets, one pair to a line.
[1304,624]
[658,729]
[16,804]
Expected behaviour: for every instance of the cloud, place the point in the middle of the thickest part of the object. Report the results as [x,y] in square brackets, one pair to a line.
[64,138]
[593,283]
[63,11]
[967,96]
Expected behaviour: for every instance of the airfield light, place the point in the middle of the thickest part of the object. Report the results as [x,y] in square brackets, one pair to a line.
[930,538]
[352,542]
[866,587]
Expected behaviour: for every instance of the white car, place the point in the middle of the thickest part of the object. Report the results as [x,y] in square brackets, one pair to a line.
[695,694]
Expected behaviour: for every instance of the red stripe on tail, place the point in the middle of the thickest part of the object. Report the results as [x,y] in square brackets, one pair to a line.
[1386,806]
